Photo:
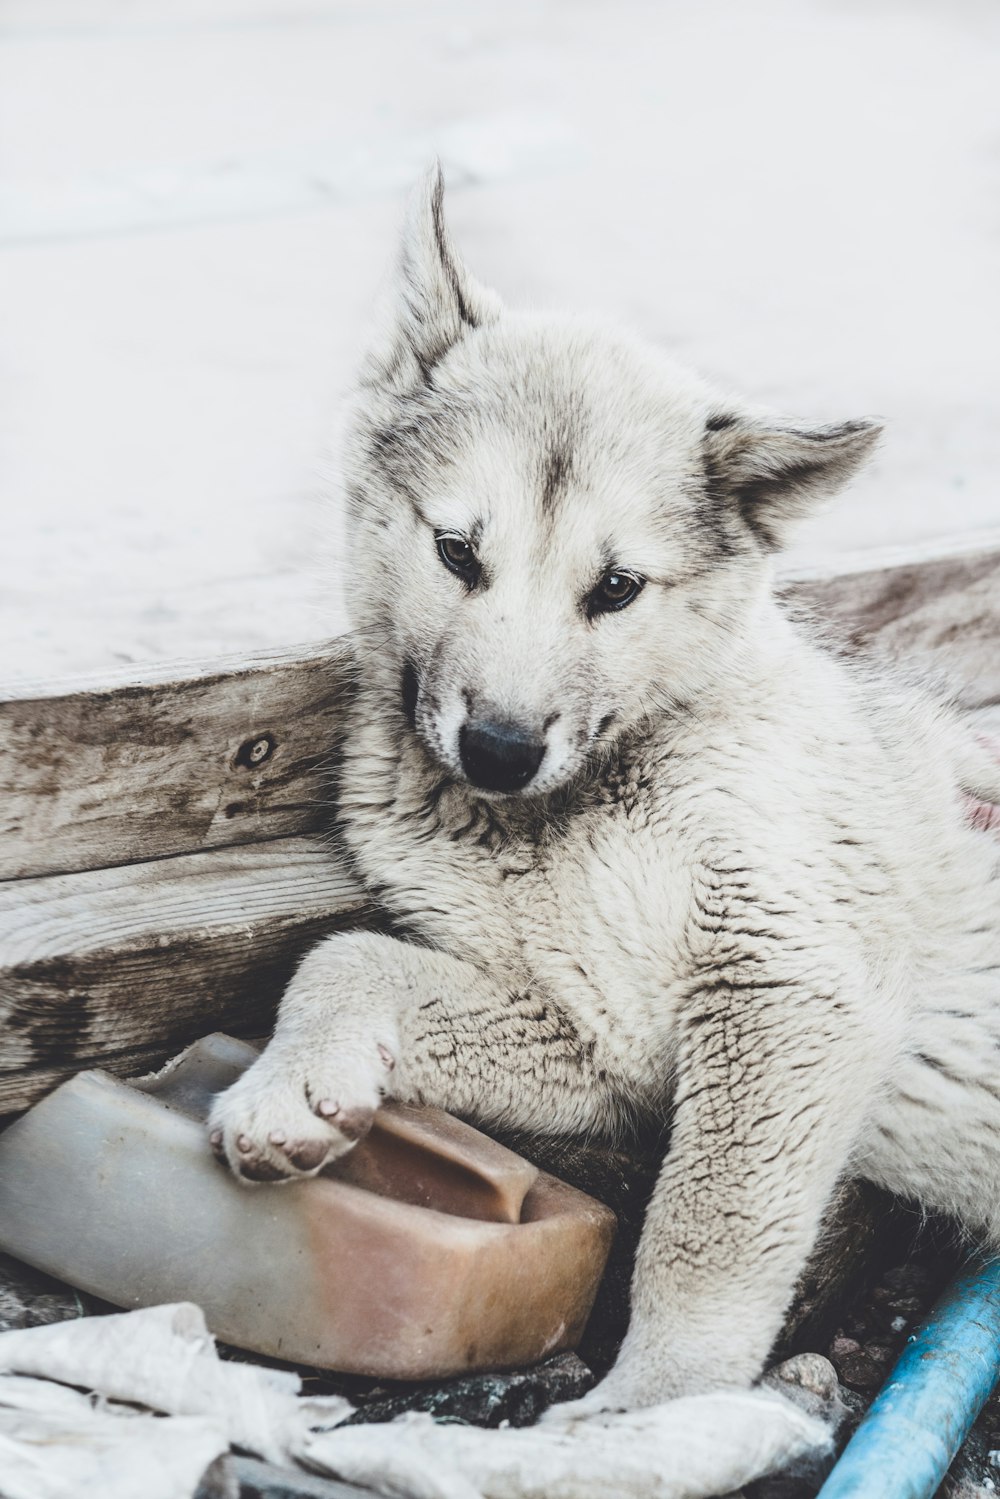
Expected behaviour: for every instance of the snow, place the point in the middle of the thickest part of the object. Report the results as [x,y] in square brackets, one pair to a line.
[199,198]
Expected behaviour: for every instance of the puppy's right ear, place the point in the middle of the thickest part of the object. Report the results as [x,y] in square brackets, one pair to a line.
[433,300]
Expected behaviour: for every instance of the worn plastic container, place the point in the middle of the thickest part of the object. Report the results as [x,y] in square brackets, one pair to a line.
[428,1250]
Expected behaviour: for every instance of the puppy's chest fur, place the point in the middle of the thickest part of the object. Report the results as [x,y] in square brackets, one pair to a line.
[563,897]
[598,904]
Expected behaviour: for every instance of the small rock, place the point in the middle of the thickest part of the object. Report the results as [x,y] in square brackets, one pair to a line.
[811,1381]
[865,1369]
[517,1399]
[28,1298]
[806,1371]
[909,1307]
[842,1347]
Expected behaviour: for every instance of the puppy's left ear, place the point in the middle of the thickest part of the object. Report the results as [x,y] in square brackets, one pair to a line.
[433,302]
[775,473]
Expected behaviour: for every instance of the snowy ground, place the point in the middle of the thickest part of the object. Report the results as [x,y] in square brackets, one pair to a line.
[199,196]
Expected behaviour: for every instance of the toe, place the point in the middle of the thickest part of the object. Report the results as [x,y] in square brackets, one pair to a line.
[565,1412]
[307,1155]
[354,1124]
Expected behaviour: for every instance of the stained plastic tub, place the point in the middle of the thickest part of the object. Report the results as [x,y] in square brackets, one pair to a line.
[429,1250]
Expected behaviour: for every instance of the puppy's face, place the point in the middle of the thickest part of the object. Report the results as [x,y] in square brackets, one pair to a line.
[554,533]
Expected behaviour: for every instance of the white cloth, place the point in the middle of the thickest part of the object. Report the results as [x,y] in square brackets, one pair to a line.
[688,1449]
[56,1443]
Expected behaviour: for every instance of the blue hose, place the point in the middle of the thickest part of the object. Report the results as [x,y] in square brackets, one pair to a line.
[905,1444]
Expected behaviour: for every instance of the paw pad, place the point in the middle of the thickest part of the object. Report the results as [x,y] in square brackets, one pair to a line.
[306,1155]
[261,1171]
[353,1123]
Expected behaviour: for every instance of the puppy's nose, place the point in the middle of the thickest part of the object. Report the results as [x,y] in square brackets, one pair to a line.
[499,756]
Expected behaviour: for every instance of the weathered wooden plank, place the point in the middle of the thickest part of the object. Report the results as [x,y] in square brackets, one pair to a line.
[188,759]
[123,967]
[184,758]
[940,613]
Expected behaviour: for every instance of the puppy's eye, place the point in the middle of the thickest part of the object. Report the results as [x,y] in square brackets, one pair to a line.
[458,556]
[616,590]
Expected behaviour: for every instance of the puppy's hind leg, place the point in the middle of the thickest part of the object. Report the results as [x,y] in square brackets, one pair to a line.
[936,1137]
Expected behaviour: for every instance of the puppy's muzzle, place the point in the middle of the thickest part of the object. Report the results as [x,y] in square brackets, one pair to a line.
[499,756]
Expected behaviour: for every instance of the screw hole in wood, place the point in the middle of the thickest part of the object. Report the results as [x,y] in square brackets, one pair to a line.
[253,752]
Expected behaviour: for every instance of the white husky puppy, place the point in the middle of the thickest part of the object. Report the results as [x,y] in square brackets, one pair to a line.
[648,846]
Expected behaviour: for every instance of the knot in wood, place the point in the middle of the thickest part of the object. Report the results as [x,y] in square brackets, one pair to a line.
[255,751]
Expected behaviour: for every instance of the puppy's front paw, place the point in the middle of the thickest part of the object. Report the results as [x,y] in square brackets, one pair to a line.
[289,1115]
[618,1391]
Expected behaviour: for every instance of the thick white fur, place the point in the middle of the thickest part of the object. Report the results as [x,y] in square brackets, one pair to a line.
[741,888]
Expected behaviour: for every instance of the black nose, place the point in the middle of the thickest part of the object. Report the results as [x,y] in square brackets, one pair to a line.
[499,756]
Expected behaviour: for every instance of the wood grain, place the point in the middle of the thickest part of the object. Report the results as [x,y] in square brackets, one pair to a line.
[141,769]
[939,614]
[123,967]
[194,756]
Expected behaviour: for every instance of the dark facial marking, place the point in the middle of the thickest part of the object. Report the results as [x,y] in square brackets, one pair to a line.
[721,421]
[410,693]
[557,469]
[416,443]
[391,451]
